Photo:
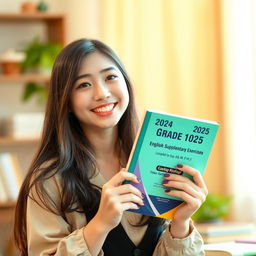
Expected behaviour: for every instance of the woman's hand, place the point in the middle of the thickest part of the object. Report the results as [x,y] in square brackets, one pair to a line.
[193,194]
[116,198]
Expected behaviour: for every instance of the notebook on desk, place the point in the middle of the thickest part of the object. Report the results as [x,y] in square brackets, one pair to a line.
[217,253]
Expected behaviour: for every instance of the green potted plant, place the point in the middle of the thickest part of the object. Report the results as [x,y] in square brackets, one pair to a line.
[214,208]
[40,56]
[39,59]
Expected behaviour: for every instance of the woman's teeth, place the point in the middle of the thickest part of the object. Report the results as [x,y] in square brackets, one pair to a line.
[104,109]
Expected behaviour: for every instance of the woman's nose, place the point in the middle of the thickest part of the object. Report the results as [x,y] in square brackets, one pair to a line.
[101,91]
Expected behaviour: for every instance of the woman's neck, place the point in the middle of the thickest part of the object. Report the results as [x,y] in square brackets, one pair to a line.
[104,142]
[107,151]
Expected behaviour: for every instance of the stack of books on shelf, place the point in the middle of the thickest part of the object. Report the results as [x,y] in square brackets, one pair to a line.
[225,231]
[22,125]
[10,177]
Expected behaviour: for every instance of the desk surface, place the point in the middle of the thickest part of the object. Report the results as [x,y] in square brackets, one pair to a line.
[235,249]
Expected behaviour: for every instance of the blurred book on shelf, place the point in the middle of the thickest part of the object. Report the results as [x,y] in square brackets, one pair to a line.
[10,177]
[22,125]
[225,231]
[3,194]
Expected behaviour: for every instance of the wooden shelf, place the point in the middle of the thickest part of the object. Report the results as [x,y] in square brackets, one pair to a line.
[13,141]
[7,212]
[8,204]
[24,78]
[55,23]
[18,16]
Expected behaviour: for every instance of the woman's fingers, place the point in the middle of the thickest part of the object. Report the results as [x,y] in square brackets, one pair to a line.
[197,177]
[117,197]
[121,176]
[122,190]
[193,202]
[191,190]
[168,181]
[130,198]
[197,183]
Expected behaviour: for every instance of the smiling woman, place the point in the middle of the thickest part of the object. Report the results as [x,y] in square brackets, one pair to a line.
[73,200]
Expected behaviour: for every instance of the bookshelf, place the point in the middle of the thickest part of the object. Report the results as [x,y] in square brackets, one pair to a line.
[4,141]
[55,31]
[24,78]
[52,28]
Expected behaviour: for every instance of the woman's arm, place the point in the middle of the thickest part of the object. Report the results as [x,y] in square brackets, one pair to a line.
[115,199]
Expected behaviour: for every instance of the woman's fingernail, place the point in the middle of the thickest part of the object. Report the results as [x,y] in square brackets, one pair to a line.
[179,165]
[166,175]
[165,181]
[167,190]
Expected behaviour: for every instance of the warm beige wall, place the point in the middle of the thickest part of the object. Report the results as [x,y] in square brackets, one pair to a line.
[82,17]
[172,52]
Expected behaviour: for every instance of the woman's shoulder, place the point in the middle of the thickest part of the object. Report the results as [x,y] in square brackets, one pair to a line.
[46,181]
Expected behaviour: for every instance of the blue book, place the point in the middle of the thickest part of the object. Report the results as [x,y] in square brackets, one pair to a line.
[163,141]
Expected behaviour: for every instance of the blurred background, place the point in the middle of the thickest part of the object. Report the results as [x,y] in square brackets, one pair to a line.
[189,57]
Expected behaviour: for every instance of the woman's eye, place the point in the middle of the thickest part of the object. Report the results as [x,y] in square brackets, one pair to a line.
[111,77]
[83,85]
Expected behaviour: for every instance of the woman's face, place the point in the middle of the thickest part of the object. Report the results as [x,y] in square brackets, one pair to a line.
[100,96]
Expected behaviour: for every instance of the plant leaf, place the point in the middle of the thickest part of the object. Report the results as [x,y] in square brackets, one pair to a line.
[29,90]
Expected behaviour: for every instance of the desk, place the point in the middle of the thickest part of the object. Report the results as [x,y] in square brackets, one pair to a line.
[230,248]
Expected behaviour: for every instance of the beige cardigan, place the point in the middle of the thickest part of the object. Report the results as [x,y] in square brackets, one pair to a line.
[50,234]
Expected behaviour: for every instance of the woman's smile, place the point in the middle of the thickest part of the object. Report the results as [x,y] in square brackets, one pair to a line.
[105,110]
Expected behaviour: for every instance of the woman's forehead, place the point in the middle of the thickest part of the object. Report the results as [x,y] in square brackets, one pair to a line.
[96,61]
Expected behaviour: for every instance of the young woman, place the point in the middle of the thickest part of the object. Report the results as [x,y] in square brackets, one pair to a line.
[73,200]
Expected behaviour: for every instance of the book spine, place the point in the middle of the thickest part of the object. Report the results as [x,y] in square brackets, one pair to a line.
[3,192]
[140,139]
[10,175]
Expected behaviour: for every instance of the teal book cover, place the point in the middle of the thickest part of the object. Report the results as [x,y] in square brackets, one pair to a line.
[165,140]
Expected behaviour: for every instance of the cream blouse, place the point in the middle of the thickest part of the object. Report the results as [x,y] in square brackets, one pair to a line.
[50,234]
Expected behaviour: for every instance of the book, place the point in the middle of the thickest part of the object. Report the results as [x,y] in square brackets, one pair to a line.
[248,240]
[10,175]
[3,193]
[163,141]
[224,231]
[225,238]
[230,248]
[22,125]
[224,228]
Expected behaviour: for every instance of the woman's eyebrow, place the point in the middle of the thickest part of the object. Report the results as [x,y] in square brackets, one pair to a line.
[88,75]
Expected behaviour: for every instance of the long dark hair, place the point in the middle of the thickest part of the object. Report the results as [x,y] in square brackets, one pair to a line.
[64,147]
